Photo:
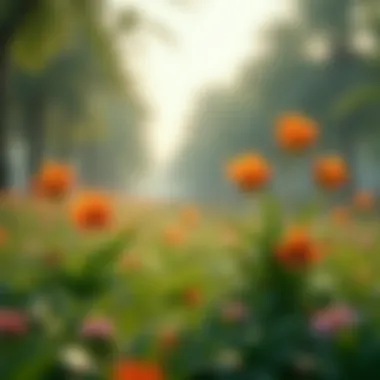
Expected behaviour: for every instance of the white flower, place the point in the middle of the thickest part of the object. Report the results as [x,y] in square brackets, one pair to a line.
[77,359]
[229,358]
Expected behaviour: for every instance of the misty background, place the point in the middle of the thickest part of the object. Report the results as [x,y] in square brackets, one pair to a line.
[152,98]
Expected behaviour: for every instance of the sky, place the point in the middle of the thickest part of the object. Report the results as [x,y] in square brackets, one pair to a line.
[213,39]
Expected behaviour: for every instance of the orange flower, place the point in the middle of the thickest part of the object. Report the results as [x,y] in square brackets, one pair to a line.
[193,297]
[174,236]
[297,249]
[331,172]
[169,338]
[54,180]
[249,172]
[93,211]
[296,132]
[3,236]
[234,312]
[53,258]
[364,201]
[138,370]
[190,216]
[340,215]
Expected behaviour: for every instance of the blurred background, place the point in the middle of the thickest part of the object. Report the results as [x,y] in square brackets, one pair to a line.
[152,97]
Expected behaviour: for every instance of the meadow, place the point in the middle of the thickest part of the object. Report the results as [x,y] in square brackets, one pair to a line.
[95,286]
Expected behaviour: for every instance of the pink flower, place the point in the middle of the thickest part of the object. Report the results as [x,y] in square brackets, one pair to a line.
[97,328]
[234,311]
[13,322]
[333,319]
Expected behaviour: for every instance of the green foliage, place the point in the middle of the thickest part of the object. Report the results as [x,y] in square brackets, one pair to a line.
[46,30]
[67,67]
[256,317]
[362,97]
[68,298]
[58,291]
[277,340]
[325,15]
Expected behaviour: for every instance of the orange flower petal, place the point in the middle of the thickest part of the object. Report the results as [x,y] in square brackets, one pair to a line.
[296,132]
[331,172]
[93,211]
[249,172]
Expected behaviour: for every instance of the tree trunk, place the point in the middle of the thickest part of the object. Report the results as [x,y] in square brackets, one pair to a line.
[35,132]
[17,12]
[4,169]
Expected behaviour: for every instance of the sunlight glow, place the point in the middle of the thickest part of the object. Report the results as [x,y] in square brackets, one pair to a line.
[213,39]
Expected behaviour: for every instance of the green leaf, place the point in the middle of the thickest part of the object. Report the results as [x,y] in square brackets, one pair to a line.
[83,286]
[43,34]
[94,277]
[36,360]
[100,260]
[356,100]
[272,224]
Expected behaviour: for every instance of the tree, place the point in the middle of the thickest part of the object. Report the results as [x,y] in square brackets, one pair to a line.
[62,52]
[32,33]
[365,95]
[65,85]
[288,78]
[235,121]
[13,14]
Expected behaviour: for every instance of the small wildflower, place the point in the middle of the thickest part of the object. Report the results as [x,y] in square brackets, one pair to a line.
[193,297]
[234,312]
[138,370]
[333,319]
[296,132]
[93,211]
[168,338]
[364,201]
[54,180]
[190,216]
[229,359]
[331,172]
[13,322]
[249,172]
[98,328]
[77,359]
[174,236]
[4,235]
[297,249]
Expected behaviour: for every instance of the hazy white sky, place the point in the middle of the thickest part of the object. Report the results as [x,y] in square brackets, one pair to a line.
[213,39]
